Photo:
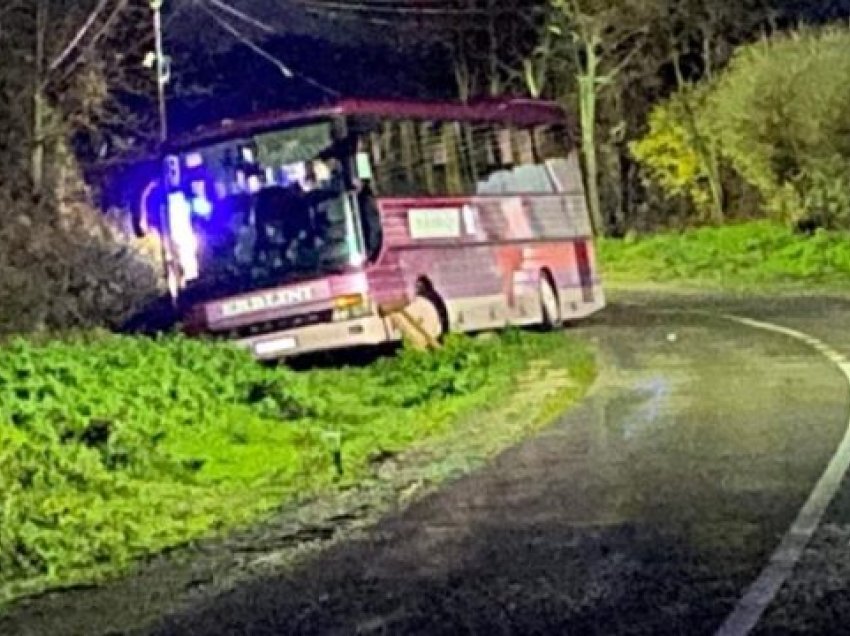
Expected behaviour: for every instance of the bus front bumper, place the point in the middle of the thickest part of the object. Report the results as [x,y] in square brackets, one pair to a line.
[371,330]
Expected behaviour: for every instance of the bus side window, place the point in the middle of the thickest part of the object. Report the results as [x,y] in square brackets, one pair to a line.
[551,142]
[450,149]
[531,176]
[396,173]
[385,171]
[452,158]
[436,156]
[429,148]
[469,156]
[497,160]
[558,152]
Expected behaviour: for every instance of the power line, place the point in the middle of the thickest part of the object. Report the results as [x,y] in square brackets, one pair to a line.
[245,40]
[81,33]
[156,8]
[391,9]
[242,16]
[395,13]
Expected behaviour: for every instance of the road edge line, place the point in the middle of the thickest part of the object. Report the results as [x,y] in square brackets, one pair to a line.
[761,593]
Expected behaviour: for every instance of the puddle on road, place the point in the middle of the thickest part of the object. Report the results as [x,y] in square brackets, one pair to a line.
[709,430]
[642,409]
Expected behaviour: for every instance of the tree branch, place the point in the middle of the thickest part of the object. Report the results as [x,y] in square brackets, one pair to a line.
[242,16]
[106,28]
[75,41]
[626,59]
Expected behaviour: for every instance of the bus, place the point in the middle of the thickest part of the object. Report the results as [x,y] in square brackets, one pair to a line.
[295,232]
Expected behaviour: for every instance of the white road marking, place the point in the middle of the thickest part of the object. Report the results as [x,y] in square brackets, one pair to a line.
[761,593]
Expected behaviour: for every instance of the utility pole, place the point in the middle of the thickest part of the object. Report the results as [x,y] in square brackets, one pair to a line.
[161,77]
[161,81]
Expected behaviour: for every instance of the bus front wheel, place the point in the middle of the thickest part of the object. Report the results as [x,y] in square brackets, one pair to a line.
[426,314]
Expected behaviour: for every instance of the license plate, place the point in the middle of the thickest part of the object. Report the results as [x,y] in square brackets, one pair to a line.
[275,347]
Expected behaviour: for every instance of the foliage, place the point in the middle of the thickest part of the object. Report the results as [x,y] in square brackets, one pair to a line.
[70,71]
[668,151]
[112,447]
[746,255]
[67,270]
[777,116]
[67,67]
[598,41]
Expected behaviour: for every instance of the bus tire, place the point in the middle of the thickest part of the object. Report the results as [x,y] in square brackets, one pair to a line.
[549,307]
[426,290]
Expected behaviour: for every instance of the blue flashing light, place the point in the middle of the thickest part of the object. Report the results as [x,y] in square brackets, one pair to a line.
[202,207]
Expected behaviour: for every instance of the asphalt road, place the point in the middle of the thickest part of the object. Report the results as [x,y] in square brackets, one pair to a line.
[646,510]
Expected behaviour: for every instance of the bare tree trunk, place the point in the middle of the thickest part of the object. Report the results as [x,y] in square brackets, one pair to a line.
[461,67]
[535,68]
[707,153]
[706,55]
[493,50]
[463,76]
[626,170]
[38,102]
[587,83]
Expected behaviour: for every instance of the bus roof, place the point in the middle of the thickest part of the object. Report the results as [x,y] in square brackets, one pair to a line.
[521,112]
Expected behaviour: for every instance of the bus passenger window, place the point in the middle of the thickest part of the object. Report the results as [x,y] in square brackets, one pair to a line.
[520,155]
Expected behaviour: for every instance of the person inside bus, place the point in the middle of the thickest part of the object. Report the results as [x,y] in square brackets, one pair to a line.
[290,225]
[279,217]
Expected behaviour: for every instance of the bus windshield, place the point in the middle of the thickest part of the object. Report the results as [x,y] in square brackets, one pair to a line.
[252,212]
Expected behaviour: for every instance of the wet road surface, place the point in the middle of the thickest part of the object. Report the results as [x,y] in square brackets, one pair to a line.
[647,510]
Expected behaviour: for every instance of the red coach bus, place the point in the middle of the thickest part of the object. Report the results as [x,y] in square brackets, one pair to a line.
[301,231]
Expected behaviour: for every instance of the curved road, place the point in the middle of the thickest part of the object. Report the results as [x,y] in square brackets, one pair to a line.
[648,509]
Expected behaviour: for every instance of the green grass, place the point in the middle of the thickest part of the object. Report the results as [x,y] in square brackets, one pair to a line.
[114,448]
[745,256]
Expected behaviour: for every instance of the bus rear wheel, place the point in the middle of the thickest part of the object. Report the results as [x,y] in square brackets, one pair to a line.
[550,309]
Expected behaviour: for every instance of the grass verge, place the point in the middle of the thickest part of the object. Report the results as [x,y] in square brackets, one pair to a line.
[115,448]
[744,257]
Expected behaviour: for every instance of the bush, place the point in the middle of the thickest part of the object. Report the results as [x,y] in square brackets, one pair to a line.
[64,267]
[744,255]
[668,152]
[113,447]
[778,117]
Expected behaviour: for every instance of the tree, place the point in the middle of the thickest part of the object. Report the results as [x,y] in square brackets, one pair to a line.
[672,157]
[69,74]
[488,53]
[69,80]
[700,36]
[485,40]
[592,42]
[777,116]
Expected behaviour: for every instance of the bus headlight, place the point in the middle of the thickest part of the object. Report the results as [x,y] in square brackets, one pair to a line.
[350,307]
